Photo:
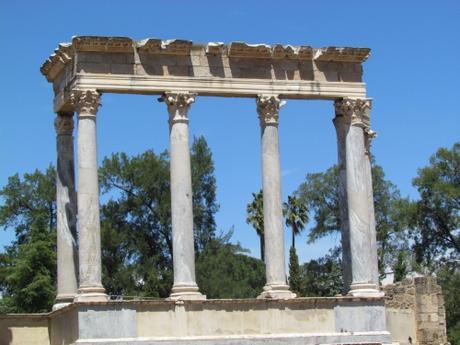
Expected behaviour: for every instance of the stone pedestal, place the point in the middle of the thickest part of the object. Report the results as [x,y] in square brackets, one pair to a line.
[66,209]
[352,118]
[185,287]
[276,286]
[90,288]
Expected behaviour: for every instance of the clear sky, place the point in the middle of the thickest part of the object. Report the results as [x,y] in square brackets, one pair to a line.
[412,75]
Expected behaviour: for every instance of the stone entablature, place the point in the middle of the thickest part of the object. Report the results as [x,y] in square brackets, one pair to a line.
[151,66]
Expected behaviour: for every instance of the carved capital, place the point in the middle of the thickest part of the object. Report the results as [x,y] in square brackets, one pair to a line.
[354,111]
[178,104]
[85,102]
[63,124]
[369,135]
[268,108]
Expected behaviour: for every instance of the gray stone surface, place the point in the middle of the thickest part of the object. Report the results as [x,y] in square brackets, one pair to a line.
[99,322]
[90,285]
[358,232]
[66,209]
[360,316]
[276,287]
[272,339]
[181,197]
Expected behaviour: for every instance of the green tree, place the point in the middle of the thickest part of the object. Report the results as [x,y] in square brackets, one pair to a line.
[323,276]
[225,271]
[437,217]
[136,224]
[295,279]
[28,266]
[320,192]
[448,277]
[255,217]
[296,214]
[204,193]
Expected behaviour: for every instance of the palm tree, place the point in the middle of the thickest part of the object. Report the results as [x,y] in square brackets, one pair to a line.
[296,214]
[255,217]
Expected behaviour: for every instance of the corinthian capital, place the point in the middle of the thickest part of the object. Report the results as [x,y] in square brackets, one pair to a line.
[268,108]
[63,124]
[354,111]
[85,101]
[178,104]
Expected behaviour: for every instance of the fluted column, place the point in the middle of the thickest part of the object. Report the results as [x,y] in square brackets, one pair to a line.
[355,181]
[86,104]
[66,210]
[185,287]
[276,287]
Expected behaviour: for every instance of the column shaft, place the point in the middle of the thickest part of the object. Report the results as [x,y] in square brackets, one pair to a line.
[368,136]
[185,286]
[66,209]
[90,288]
[356,212]
[276,286]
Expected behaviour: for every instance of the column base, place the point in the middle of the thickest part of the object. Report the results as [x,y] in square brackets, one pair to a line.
[186,293]
[63,300]
[91,294]
[365,290]
[280,291]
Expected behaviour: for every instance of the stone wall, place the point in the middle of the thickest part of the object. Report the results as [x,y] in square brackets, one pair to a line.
[415,311]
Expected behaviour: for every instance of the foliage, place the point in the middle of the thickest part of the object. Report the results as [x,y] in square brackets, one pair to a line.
[437,217]
[136,224]
[320,191]
[294,271]
[448,277]
[255,217]
[28,266]
[224,271]
[323,276]
[204,193]
[296,214]
[400,269]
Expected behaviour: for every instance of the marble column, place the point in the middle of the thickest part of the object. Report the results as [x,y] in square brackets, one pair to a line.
[66,209]
[185,287]
[369,135]
[86,104]
[276,287]
[358,238]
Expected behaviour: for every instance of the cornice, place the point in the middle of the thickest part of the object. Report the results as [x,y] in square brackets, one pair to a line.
[65,52]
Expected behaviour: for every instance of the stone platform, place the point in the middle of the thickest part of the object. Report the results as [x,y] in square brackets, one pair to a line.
[336,320]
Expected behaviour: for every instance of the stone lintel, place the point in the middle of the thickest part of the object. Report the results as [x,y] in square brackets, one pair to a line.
[177,48]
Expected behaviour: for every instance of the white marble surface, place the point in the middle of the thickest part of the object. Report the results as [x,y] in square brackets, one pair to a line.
[185,286]
[66,204]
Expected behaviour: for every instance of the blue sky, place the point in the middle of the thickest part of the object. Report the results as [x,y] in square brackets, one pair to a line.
[412,75]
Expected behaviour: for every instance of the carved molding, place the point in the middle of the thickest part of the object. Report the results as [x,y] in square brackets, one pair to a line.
[158,46]
[102,44]
[178,104]
[63,124]
[369,136]
[57,61]
[347,54]
[354,111]
[85,101]
[65,53]
[268,108]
